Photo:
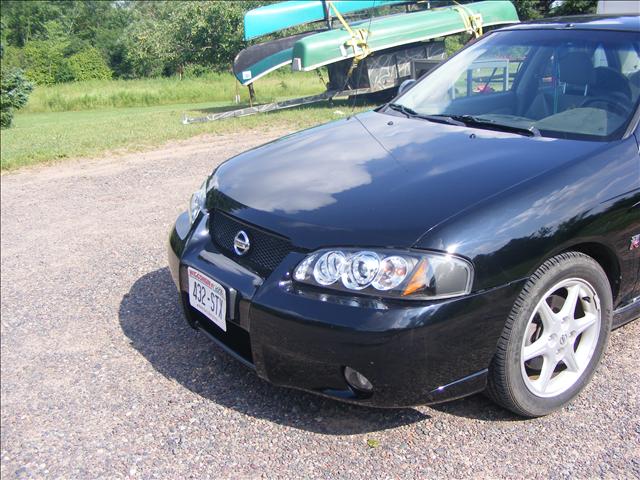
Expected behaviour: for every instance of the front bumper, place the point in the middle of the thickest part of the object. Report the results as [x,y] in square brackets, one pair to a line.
[412,352]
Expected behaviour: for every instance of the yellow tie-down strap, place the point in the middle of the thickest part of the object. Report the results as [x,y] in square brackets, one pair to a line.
[472,21]
[358,40]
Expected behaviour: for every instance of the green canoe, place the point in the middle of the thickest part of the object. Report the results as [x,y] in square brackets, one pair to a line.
[258,60]
[386,32]
[278,16]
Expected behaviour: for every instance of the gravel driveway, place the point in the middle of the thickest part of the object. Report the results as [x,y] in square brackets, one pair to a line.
[102,377]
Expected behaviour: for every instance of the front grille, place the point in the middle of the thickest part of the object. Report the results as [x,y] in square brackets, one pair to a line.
[267,249]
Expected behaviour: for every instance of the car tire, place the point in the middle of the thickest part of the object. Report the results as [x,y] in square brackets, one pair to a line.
[554,337]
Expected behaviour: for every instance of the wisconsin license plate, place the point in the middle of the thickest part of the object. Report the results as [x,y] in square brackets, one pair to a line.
[208,297]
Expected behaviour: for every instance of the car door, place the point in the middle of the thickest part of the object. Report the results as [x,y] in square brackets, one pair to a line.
[634,241]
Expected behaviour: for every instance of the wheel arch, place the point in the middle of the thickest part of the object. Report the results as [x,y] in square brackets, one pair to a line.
[605,257]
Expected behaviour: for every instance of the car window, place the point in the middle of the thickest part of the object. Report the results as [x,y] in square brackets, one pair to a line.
[629,60]
[493,72]
[600,57]
[555,72]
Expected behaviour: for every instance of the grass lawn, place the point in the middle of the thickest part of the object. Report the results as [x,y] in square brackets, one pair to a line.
[146,92]
[40,135]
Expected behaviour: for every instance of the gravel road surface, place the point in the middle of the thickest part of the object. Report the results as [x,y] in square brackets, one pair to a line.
[102,377]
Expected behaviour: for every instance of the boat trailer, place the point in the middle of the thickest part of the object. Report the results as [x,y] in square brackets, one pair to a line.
[367,57]
[270,107]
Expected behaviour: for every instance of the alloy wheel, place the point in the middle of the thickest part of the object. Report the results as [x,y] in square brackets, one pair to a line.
[560,338]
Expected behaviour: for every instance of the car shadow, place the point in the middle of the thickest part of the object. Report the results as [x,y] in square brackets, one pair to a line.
[477,407]
[151,317]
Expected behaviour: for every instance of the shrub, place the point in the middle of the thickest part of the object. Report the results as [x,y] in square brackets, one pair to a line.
[14,93]
[12,57]
[87,64]
[453,43]
[194,70]
[44,61]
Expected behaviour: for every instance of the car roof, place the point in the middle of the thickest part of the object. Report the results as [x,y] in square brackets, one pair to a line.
[628,23]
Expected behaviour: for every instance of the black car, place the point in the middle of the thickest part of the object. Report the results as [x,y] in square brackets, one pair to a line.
[481,232]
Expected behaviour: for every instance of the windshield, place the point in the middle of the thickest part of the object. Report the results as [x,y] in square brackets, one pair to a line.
[557,83]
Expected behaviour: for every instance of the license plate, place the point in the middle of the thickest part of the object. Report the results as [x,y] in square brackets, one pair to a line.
[208,297]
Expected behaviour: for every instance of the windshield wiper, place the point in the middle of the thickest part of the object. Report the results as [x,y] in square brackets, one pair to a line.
[443,119]
[471,121]
[410,113]
[466,121]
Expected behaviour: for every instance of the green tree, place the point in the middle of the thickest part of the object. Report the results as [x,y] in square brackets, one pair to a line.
[12,57]
[167,36]
[87,64]
[149,40]
[43,61]
[211,33]
[26,21]
[78,24]
[531,9]
[576,7]
[14,94]
[534,9]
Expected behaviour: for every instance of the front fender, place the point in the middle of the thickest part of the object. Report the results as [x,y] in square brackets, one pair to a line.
[509,235]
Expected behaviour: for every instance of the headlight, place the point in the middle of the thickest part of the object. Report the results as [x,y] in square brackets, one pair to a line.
[199,198]
[386,273]
[196,204]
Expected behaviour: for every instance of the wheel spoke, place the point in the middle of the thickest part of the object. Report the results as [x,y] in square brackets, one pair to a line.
[569,307]
[548,368]
[570,360]
[537,348]
[547,316]
[581,324]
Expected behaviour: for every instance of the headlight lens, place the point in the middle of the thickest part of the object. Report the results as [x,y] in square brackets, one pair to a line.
[411,275]
[328,268]
[393,270]
[360,270]
[197,202]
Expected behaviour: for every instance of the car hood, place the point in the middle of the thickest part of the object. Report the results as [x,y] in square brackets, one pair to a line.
[377,179]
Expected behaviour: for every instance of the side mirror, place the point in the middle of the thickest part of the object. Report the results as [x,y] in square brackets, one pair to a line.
[404,86]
